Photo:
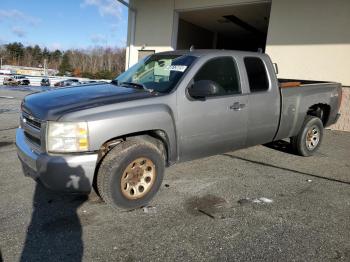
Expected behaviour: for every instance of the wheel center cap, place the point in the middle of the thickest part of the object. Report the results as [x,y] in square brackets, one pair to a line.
[309,135]
[136,176]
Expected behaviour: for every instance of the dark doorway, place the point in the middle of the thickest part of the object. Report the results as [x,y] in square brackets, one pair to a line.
[239,27]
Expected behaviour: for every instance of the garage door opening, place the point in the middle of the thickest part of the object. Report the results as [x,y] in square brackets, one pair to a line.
[238,27]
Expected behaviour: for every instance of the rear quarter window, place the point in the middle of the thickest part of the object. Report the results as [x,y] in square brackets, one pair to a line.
[257,75]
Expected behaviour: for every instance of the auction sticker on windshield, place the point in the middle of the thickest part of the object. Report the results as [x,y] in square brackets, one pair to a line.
[179,68]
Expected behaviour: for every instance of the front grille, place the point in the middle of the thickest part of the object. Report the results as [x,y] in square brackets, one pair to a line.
[30,120]
[32,130]
[32,139]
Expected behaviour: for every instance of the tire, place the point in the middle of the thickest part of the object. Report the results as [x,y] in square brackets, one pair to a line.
[123,173]
[309,139]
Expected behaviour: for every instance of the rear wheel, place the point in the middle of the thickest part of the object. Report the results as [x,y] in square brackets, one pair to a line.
[307,142]
[131,174]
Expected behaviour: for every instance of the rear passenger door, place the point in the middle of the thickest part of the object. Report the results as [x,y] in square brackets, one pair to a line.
[263,100]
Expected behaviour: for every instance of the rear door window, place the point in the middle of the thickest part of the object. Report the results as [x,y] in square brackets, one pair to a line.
[257,76]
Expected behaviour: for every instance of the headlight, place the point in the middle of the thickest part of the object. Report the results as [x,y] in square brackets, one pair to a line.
[67,137]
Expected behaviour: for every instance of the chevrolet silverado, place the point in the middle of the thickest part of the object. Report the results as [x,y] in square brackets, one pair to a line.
[170,107]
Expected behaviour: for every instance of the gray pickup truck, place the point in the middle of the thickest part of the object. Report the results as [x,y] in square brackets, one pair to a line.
[168,108]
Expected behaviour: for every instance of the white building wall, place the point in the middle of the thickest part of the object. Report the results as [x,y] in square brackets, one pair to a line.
[311,39]
[308,39]
[153,27]
[156,21]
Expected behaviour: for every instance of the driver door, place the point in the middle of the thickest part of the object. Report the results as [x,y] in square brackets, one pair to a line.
[218,123]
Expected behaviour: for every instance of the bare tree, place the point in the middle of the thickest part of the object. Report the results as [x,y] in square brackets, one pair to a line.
[94,62]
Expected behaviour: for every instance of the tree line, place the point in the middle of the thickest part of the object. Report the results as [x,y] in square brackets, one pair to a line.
[97,62]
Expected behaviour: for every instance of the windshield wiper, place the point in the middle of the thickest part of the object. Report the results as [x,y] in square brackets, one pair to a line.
[115,82]
[136,85]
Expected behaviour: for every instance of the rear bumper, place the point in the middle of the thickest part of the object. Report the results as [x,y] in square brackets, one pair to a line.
[68,173]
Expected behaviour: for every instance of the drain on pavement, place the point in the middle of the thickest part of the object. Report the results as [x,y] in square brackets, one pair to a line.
[209,205]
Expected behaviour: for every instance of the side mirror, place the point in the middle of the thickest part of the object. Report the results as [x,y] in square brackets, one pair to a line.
[203,89]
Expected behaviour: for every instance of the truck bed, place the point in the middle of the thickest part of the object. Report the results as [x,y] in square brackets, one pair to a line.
[298,96]
[285,83]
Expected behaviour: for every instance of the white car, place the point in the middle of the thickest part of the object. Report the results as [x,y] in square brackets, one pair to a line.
[16,80]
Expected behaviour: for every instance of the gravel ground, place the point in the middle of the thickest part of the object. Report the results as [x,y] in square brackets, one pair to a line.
[258,204]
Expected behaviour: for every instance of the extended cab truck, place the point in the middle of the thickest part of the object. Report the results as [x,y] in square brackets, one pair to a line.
[169,108]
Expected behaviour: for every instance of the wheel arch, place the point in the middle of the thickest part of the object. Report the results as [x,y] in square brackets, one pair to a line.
[321,111]
[157,137]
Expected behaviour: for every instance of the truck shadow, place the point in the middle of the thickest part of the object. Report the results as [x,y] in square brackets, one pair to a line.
[55,230]
[282,146]
[284,168]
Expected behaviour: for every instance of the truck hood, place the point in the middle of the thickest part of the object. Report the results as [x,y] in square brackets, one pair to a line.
[51,105]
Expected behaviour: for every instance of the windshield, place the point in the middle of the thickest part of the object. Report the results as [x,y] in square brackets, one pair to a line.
[160,73]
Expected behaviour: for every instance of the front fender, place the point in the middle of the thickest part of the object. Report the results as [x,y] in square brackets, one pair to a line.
[123,122]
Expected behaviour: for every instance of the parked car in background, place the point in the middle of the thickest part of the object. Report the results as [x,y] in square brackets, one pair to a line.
[16,80]
[45,82]
[68,82]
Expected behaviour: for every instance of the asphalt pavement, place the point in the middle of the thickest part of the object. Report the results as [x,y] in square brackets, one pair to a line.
[258,204]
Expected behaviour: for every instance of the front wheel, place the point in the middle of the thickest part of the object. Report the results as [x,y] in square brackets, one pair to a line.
[130,175]
[307,142]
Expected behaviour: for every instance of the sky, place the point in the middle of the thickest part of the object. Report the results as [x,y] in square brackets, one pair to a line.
[64,24]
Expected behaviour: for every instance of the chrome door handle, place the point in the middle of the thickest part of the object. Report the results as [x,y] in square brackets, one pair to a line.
[237,106]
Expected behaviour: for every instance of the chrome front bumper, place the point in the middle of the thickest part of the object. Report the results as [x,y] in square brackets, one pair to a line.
[69,173]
